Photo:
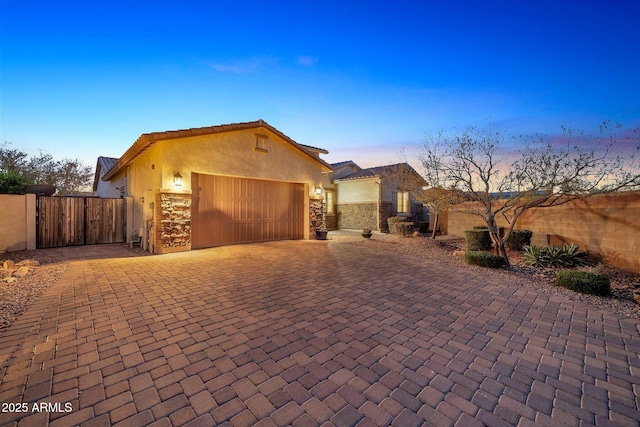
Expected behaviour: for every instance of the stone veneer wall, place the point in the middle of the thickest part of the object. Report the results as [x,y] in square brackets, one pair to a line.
[386,211]
[332,222]
[315,215]
[357,215]
[174,222]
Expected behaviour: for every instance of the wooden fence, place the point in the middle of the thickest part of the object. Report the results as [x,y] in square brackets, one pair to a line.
[74,221]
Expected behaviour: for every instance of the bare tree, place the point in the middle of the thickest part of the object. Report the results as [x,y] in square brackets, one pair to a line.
[542,172]
[439,200]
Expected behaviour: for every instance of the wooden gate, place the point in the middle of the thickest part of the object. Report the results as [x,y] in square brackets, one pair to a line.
[74,221]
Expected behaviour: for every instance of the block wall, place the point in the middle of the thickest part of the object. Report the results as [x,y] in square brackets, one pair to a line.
[18,222]
[606,224]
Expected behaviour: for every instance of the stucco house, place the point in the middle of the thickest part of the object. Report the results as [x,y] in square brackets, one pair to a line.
[357,198]
[244,183]
[217,185]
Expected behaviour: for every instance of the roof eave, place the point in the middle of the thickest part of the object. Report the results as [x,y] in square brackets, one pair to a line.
[148,139]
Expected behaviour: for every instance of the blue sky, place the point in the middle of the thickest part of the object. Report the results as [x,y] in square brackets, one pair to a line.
[361,79]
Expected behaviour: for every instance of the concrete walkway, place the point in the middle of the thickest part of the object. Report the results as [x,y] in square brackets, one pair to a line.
[310,333]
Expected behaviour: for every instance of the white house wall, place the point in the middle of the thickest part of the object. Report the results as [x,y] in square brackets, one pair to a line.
[110,189]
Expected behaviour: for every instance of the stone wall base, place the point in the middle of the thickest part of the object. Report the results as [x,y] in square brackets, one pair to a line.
[358,215]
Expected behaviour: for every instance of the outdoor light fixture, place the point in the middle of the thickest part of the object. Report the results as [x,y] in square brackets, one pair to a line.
[318,190]
[177,179]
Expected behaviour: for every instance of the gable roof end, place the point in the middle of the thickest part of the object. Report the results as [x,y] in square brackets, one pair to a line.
[146,140]
[103,164]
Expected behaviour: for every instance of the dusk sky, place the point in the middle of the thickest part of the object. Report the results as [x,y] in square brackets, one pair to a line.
[362,79]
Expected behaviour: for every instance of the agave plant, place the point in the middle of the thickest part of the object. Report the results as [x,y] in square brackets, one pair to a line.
[532,255]
[575,257]
[568,255]
[555,256]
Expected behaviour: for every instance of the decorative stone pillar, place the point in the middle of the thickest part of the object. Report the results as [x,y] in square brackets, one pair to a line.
[173,222]
[315,214]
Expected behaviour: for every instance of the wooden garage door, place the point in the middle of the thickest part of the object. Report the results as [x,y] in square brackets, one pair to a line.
[229,211]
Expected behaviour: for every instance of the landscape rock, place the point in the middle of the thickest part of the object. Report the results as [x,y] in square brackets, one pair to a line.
[18,294]
[21,272]
[8,264]
[28,263]
[458,253]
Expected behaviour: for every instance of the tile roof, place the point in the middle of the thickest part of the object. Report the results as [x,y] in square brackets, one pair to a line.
[107,162]
[379,171]
[320,150]
[103,165]
[345,163]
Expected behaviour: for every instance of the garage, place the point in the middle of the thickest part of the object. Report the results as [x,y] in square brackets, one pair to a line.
[230,210]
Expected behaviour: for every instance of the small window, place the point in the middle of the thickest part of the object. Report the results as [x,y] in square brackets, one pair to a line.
[403,202]
[261,143]
[330,202]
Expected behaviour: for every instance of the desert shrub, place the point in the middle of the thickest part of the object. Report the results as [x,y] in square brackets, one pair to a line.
[568,255]
[519,239]
[484,259]
[597,268]
[533,255]
[477,240]
[484,227]
[584,282]
[405,228]
[395,224]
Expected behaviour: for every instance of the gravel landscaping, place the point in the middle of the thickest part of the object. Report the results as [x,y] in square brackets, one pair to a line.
[18,295]
[442,250]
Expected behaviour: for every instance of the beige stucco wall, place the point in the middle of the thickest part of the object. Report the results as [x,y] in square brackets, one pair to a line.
[234,154]
[227,153]
[143,178]
[18,219]
[387,189]
[605,224]
[358,191]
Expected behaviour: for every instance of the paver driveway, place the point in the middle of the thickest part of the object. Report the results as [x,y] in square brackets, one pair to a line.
[310,332]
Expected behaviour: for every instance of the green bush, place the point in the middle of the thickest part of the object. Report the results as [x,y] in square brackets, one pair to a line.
[519,239]
[405,228]
[484,259]
[480,227]
[423,226]
[568,255]
[584,282]
[477,240]
[396,224]
[12,183]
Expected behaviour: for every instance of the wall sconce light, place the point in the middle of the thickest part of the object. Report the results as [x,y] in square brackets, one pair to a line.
[177,180]
[318,190]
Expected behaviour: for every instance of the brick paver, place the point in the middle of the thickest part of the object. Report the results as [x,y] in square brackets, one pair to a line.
[307,333]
